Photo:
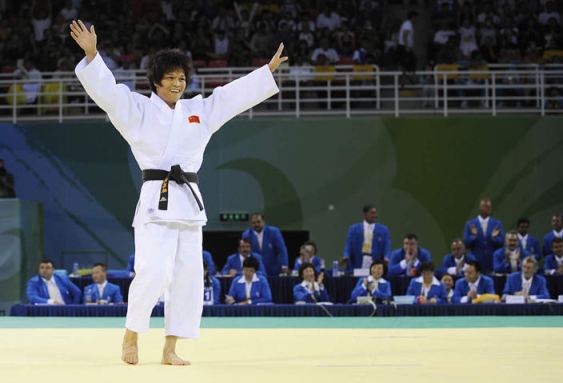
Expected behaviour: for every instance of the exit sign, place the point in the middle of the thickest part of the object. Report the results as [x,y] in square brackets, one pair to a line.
[234,217]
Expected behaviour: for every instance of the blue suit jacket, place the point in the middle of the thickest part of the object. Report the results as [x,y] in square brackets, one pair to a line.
[399,254]
[274,251]
[380,246]
[111,293]
[259,291]
[547,241]
[437,290]
[450,262]
[383,290]
[514,285]
[550,265]
[316,261]
[212,293]
[486,286]
[233,262]
[301,294]
[483,245]
[37,290]
[500,263]
[206,257]
[532,247]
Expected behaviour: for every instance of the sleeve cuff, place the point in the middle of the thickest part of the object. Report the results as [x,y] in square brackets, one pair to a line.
[464,299]
[452,270]
[403,264]
[50,301]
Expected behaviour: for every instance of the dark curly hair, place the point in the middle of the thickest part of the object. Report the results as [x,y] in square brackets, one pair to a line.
[165,61]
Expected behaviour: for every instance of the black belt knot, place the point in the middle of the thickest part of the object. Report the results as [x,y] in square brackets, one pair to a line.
[175,174]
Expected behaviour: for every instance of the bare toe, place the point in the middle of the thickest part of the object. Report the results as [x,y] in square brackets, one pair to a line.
[130,354]
[174,360]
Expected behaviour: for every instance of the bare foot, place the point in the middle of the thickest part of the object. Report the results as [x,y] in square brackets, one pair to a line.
[171,358]
[129,349]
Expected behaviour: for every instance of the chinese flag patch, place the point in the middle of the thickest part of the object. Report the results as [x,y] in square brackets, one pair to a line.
[193,119]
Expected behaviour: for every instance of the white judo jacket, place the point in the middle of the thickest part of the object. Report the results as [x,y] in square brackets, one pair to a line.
[161,137]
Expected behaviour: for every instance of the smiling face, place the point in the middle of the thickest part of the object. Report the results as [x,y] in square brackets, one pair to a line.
[172,86]
[309,274]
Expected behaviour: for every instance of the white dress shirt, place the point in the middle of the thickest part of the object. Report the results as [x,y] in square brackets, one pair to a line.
[54,292]
[523,240]
[472,287]
[484,224]
[260,238]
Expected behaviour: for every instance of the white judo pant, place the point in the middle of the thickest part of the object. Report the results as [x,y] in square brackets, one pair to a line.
[168,258]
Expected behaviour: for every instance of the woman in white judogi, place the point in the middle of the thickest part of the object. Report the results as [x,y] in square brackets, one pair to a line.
[167,136]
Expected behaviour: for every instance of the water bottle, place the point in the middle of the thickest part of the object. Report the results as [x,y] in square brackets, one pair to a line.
[335,269]
[88,296]
[75,270]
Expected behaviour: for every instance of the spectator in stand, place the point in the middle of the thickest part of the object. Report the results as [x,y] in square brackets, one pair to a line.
[456,261]
[374,285]
[50,288]
[554,262]
[467,39]
[472,285]
[448,283]
[325,50]
[235,261]
[526,282]
[328,19]
[483,235]
[427,288]
[41,18]
[221,45]
[527,241]
[509,258]
[405,48]
[408,260]
[549,12]
[311,289]
[262,40]
[26,70]
[250,287]
[557,232]
[69,12]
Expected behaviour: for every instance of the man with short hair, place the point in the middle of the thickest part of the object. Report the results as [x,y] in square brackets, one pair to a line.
[527,241]
[268,241]
[307,255]
[483,235]
[557,232]
[473,285]
[367,241]
[554,262]
[508,259]
[101,291]
[455,262]
[408,260]
[235,261]
[50,288]
[526,282]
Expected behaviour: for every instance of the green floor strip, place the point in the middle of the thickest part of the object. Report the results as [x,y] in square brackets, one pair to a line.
[292,322]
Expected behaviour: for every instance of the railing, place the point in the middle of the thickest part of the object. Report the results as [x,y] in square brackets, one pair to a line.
[312,91]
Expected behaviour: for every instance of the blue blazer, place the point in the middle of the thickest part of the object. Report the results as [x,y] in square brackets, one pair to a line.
[483,245]
[486,286]
[450,262]
[500,263]
[111,293]
[37,290]
[547,241]
[206,257]
[399,254]
[550,265]
[316,261]
[274,251]
[437,290]
[532,247]
[383,290]
[212,293]
[233,262]
[380,246]
[259,291]
[514,285]
[301,294]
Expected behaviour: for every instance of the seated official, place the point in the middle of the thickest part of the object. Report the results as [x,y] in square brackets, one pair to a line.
[473,284]
[206,255]
[374,285]
[448,283]
[408,260]
[211,287]
[509,258]
[50,288]
[307,255]
[454,262]
[235,261]
[554,262]
[526,282]
[311,289]
[250,287]
[427,288]
[101,291]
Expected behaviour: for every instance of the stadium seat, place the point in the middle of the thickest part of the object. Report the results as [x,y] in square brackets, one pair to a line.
[324,72]
[447,68]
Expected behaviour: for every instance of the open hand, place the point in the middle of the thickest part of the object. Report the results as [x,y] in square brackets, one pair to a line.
[86,39]
[277,60]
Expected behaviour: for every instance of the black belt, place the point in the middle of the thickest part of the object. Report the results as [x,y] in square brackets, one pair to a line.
[175,174]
